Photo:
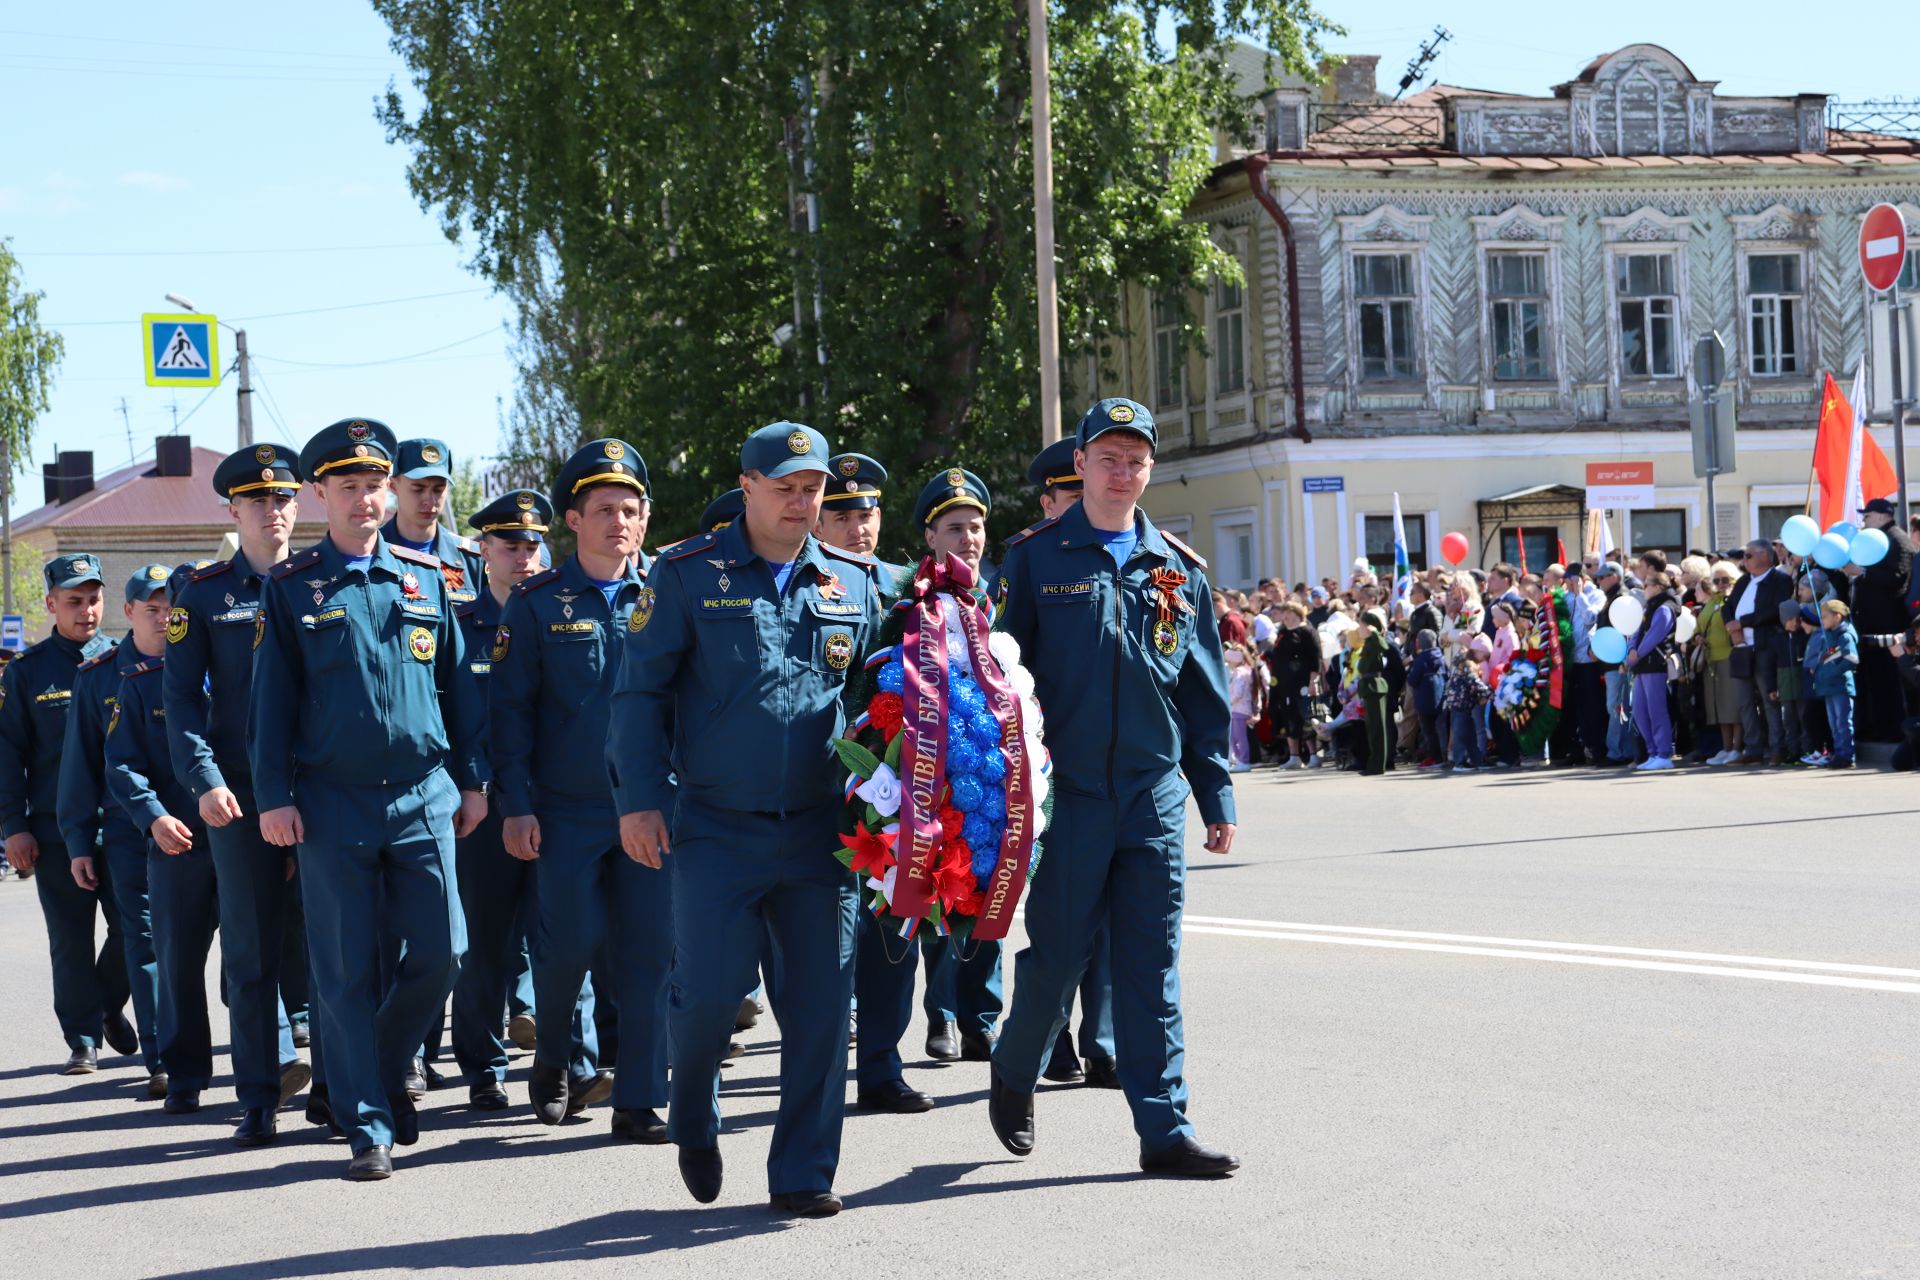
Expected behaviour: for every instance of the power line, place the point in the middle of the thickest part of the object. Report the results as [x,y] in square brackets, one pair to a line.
[281,315]
[209,253]
[366,364]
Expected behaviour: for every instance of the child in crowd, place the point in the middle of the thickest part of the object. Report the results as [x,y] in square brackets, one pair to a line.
[1244,690]
[1465,694]
[1428,680]
[1832,654]
[1798,621]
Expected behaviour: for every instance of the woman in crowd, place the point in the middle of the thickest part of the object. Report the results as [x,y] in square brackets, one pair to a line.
[1295,662]
[1722,704]
[1506,642]
[1653,644]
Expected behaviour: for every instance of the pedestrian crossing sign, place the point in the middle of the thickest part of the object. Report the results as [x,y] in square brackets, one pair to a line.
[181,350]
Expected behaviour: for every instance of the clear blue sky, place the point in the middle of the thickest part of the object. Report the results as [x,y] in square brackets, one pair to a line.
[228,152]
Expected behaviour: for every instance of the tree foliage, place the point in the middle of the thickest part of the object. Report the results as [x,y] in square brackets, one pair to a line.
[715,215]
[29,354]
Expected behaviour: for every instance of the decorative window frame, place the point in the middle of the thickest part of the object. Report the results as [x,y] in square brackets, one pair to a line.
[1521,230]
[1235,242]
[1647,230]
[1387,229]
[1776,230]
[1179,405]
[1235,518]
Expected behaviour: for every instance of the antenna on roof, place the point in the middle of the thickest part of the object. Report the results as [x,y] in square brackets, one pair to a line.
[1418,66]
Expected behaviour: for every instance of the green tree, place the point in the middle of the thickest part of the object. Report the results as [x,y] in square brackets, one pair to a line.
[715,215]
[29,355]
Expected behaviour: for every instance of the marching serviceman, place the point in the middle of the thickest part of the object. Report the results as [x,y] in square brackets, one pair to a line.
[496,891]
[850,513]
[180,871]
[556,664]
[207,683]
[729,700]
[107,853]
[422,472]
[963,992]
[89,990]
[1060,486]
[365,732]
[1114,620]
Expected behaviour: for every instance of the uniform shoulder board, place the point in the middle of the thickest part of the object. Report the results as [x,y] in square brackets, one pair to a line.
[210,571]
[141,668]
[1184,549]
[468,545]
[468,609]
[852,557]
[294,564]
[537,580]
[699,542]
[98,660]
[1029,531]
[426,558]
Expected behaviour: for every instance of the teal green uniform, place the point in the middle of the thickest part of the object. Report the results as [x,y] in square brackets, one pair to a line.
[36,691]
[731,689]
[461,568]
[1136,718]
[365,716]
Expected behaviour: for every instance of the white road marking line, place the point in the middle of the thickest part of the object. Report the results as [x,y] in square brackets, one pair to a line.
[1291,926]
[1560,957]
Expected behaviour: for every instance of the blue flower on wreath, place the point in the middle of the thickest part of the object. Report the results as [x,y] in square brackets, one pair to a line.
[967,793]
[892,677]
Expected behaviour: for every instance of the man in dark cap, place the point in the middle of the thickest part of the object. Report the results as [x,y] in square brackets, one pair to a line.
[850,513]
[207,684]
[36,690]
[729,700]
[367,753]
[1880,594]
[422,473]
[556,662]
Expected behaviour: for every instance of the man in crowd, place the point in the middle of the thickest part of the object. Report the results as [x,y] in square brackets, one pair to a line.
[1880,594]
[422,472]
[1755,605]
[1584,712]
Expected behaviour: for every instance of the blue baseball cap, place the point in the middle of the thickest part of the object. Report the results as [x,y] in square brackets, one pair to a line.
[782,448]
[146,580]
[1117,413]
[424,460]
[72,570]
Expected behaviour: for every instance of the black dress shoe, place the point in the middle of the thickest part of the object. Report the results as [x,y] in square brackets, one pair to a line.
[642,1126]
[1188,1159]
[119,1033]
[294,1076]
[182,1102]
[749,1015]
[976,1046]
[320,1111]
[1063,1065]
[416,1081]
[406,1121]
[805,1204]
[943,1042]
[488,1095]
[83,1061]
[156,1086]
[1011,1113]
[894,1096]
[375,1164]
[1103,1073]
[700,1170]
[302,1035]
[433,1077]
[257,1128]
[584,1091]
[547,1090]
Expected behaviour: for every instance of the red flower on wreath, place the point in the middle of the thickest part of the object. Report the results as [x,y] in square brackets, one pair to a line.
[953,876]
[951,820]
[886,712]
[872,853]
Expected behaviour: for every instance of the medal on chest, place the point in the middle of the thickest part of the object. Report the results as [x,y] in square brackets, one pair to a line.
[1164,589]
[831,588]
[410,586]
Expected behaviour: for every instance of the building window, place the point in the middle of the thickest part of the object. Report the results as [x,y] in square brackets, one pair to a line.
[1379,532]
[1531,549]
[1910,274]
[1517,294]
[1169,355]
[1662,529]
[1775,304]
[1229,338]
[1383,290]
[1772,518]
[1233,549]
[1648,304]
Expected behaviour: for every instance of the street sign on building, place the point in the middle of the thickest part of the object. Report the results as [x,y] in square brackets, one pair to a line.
[1323,484]
[1619,486]
[13,632]
[181,350]
[1883,247]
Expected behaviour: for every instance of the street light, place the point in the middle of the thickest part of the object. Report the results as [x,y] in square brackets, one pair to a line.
[240,359]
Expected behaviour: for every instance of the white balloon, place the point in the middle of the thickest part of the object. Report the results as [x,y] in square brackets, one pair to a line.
[1626,615]
[1685,628]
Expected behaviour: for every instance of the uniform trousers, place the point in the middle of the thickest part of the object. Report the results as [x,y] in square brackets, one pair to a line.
[262,944]
[186,908]
[89,984]
[378,863]
[1096,1005]
[1121,861]
[963,984]
[592,900]
[124,851]
[883,971]
[744,883]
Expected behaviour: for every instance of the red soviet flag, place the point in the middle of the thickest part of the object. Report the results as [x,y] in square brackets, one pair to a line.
[1834,441]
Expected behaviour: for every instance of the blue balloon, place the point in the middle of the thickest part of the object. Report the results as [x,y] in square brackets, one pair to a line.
[1799,534]
[1609,645]
[1869,547]
[1845,528]
[1831,551]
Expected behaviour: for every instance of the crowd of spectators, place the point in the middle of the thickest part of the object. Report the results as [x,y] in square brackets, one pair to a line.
[1752,657]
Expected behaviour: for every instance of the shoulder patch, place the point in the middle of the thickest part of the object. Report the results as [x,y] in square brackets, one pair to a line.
[851,557]
[1183,548]
[1030,530]
[426,558]
[294,564]
[213,570]
[699,542]
[100,660]
[468,545]
[537,580]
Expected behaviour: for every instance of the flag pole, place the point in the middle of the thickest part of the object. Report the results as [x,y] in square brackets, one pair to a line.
[1047,298]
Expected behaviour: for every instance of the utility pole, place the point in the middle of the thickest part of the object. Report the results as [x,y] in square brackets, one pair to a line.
[1048,298]
[246,388]
[6,525]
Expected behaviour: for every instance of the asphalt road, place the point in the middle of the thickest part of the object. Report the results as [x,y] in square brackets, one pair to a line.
[1533,1025]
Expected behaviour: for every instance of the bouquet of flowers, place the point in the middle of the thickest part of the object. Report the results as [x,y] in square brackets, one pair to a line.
[947,789]
[1532,689]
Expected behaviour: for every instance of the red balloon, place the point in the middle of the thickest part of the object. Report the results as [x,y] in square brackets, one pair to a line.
[1455,547]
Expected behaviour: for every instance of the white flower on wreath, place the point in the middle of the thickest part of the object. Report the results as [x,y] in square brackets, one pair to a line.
[1005,650]
[882,791]
[885,886]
